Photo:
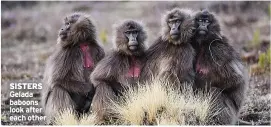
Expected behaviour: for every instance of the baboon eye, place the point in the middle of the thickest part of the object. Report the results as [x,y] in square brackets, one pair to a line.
[200,20]
[135,32]
[178,21]
[207,20]
[170,23]
[67,23]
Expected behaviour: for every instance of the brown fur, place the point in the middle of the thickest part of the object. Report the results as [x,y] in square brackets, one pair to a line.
[66,80]
[226,74]
[169,59]
[110,76]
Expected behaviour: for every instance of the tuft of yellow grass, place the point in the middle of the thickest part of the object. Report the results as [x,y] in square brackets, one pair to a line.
[69,117]
[153,103]
[158,103]
[88,119]
[66,117]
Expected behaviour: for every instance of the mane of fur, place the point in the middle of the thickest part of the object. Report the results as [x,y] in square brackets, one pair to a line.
[214,27]
[186,26]
[83,30]
[121,41]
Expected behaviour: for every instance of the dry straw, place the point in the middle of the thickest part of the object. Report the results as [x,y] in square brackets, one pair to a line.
[155,103]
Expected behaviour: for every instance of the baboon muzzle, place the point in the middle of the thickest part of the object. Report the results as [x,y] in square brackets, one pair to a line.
[133,43]
[175,31]
[202,29]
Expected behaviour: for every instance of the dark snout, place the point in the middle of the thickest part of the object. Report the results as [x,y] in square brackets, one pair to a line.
[174,32]
[63,34]
[202,30]
[133,44]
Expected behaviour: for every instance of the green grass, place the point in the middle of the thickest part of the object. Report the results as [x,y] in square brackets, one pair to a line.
[265,59]
[103,36]
[255,42]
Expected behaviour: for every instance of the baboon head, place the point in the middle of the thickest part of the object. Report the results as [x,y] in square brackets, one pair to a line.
[206,25]
[177,26]
[130,38]
[77,28]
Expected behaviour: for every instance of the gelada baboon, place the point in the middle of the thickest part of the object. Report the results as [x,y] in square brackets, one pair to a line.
[219,67]
[171,56]
[120,68]
[66,77]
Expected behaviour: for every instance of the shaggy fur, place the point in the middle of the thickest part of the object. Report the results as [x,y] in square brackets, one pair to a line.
[186,26]
[219,67]
[172,59]
[120,38]
[110,76]
[66,80]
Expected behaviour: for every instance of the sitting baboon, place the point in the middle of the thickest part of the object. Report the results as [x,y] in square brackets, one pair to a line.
[119,68]
[218,67]
[171,56]
[66,77]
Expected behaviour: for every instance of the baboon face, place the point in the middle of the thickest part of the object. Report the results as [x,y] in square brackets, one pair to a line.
[69,22]
[174,23]
[178,26]
[130,37]
[132,34]
[205,24]
[76,28]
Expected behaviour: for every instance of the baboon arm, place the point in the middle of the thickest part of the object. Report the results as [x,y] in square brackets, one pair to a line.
[56,101]
[223,110]
[74,86]
[235,85]
[228,103]
[236,97]
[100,79]
[103,73]
[100,54]
[104,94]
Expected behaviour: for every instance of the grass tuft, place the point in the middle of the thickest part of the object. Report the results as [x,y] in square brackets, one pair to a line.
[157,103]
[154,103]
[88,119]
[66,117]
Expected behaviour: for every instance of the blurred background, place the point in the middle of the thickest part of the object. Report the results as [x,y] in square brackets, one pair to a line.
[29,32]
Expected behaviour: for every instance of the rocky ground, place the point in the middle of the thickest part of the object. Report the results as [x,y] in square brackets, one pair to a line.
[29,32]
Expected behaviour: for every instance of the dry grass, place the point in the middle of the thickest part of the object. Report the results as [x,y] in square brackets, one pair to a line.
[67,117]
[88,119]
[157,103]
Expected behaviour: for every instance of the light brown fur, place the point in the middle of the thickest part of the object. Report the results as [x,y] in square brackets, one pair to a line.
[219,68]
[66,80]
[110,76]
[172,59]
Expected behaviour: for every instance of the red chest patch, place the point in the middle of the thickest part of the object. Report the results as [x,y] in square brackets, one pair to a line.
[87,59]
[201,69]
[134,70]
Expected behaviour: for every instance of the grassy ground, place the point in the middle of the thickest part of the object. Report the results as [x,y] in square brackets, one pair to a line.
[29,32]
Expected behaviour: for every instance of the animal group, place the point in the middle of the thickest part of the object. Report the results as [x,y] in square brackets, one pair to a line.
[190,49]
